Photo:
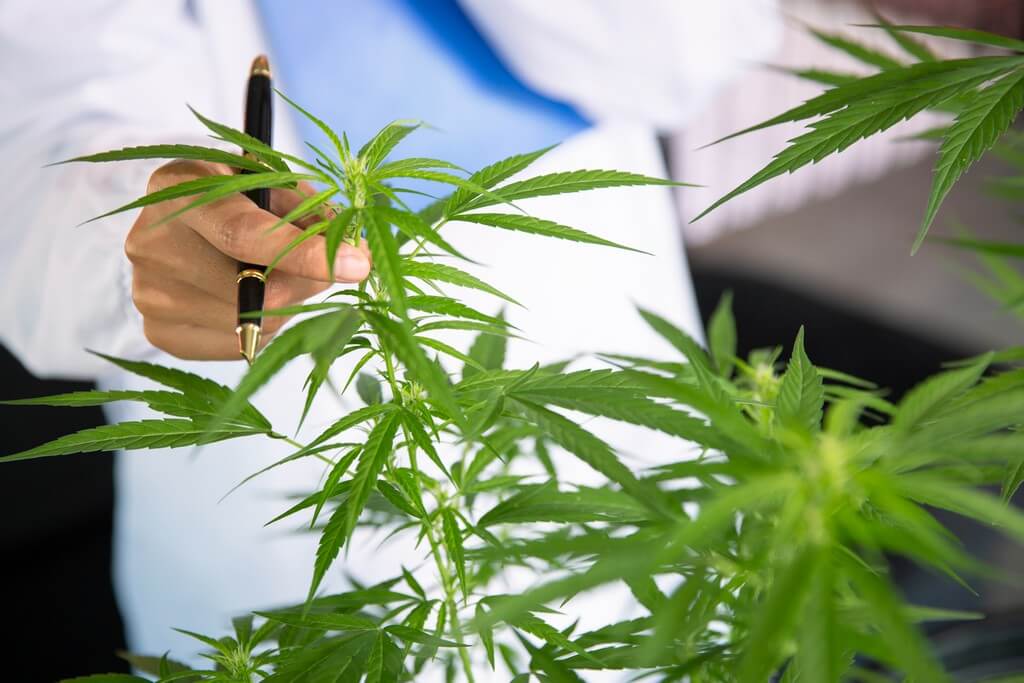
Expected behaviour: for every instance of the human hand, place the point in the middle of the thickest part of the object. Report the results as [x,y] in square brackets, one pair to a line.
[184,270]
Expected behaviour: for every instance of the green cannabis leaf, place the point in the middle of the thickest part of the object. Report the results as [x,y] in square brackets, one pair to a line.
[758,549]
[987,91]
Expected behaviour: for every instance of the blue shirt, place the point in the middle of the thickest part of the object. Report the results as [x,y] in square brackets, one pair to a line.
[359,64]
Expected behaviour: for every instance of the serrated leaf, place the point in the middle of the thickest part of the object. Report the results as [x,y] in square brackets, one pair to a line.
[167,402]
[880,87]
[305,337]
[455,181]
[930,396]
[675,336]
[324,128]
[386,262]
[534,625]
[592,451]
[368,388]
[964,501]
[372,459]
[356,417]
[621,403]
[395,169]
[426,372]
[414,429]
[394,495]
[623,560]
[905,643]
[106,678]
[335,660]
[330,621]
[1009,249]
[488,177]
[539,226]
[446,349]
[303,236]
[128,436]
[375,662]
[545,503]
[211,154]
[911,46]
[413,584]
[209,189]
[453,546]
[486,634]
[335,233]
[820,76]
[488,351]
[982,122]
[330,487]
[444,273]
[387,138]
[821,650]
[158,666]
[962,34]
[860,109]
[722,336]
[311,204]
[413,226]
[861,53]
[776,617]
[561,183]
[1014,478]
[443,305]
[262,151]
[801,392]
[183,381]
[415,635]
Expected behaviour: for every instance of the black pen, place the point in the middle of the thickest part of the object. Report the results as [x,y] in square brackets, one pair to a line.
[252,278]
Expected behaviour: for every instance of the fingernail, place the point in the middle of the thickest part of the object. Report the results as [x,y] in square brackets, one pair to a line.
[351,266]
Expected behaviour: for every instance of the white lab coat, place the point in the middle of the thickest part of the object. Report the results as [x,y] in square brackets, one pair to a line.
[91,75]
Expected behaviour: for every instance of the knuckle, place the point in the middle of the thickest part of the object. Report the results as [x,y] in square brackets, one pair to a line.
[144,298]
[277,294]
[232,235]
[131,248]
[174,172]
[310,261]
[135,242]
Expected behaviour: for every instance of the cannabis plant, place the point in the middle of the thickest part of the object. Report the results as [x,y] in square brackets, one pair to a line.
[763,553]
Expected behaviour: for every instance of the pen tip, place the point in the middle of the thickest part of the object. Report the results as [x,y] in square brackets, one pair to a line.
[248,340]
[260,66]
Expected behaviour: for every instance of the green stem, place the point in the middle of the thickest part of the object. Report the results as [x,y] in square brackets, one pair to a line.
[446,577]
[449,597]
[442,568]
[422,243]
[295,444]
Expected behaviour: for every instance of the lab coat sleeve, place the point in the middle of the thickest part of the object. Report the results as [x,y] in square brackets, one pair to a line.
[82,76]
[649,61]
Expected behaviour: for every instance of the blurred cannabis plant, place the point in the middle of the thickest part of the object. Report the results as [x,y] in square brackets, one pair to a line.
[764,554]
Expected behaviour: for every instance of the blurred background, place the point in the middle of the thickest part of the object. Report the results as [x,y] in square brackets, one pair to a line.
[828,248]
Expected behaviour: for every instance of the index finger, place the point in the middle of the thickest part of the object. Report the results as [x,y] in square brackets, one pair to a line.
[235,226]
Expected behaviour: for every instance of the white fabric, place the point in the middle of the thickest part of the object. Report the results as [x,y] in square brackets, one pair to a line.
[92,75]
[651,61]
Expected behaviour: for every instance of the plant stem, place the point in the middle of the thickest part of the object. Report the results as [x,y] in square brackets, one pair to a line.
[449,594]
[295,444]
[422,243]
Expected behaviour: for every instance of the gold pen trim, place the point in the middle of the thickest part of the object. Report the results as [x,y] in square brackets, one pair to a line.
[260,67]
[248,340]
[251,272]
